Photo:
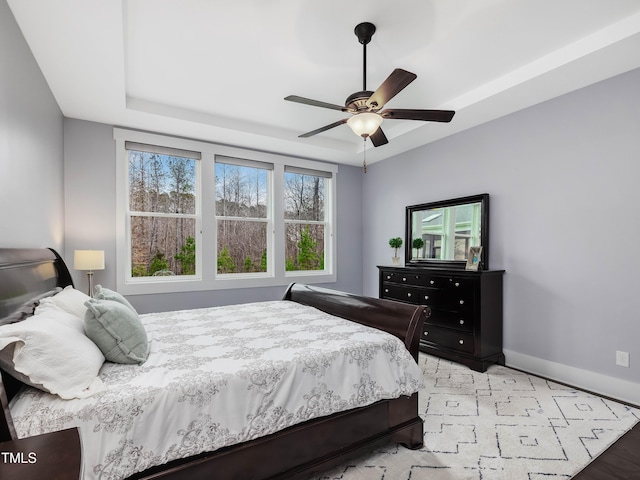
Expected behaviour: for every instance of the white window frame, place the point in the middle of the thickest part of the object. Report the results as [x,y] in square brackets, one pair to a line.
[268,220]
[206,277]
[326,222]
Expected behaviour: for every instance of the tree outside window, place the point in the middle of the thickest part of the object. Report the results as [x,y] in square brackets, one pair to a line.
[305,221]
[243,218]
[162,207]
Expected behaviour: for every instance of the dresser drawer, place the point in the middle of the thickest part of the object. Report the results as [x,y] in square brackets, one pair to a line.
[447,299]
[405,278]
[428,279]
[458,320]
[446,338]
[404,293]
[446,282]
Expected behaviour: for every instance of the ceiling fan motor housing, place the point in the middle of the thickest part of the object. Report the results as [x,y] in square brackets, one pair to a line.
[358,101]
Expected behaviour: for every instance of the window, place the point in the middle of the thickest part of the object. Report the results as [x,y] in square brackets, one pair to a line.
[305,219]
[243,216]
[162,211]
[198,216]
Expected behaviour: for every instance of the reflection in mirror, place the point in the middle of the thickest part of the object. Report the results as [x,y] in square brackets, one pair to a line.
[443,232]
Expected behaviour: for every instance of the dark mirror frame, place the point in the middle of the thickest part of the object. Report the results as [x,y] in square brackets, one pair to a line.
[484,232]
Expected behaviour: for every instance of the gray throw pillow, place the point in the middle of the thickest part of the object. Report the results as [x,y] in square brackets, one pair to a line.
[117,331]
[102,293]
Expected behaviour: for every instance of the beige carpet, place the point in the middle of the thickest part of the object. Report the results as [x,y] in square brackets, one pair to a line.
[502,424]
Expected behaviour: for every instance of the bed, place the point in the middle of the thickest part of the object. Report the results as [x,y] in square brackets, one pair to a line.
[290,449]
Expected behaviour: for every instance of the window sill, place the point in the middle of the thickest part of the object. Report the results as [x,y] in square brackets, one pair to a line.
[221,283]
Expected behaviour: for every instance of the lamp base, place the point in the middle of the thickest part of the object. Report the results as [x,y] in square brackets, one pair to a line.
[90,279]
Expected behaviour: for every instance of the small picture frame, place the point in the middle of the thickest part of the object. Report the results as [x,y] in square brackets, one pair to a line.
[473,259]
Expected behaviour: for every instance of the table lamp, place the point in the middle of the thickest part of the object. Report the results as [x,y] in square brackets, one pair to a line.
[89,260]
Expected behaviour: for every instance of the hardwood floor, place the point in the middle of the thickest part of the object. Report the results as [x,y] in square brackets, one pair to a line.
[621,461]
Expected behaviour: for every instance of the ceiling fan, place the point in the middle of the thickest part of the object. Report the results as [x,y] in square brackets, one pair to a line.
[365,105]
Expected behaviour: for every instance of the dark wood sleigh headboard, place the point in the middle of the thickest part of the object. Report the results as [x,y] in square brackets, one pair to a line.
[26,274]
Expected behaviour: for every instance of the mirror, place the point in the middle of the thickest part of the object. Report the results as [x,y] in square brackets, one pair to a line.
[440,233]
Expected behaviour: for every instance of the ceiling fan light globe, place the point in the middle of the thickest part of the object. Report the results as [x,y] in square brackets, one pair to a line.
[365,124]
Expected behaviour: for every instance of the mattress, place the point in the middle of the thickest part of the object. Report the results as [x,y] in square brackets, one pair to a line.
[221,376]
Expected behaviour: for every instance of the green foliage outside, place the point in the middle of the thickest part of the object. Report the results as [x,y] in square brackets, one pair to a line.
[160,266]
[158,263]
[187,257]
[308,257]
[225,262]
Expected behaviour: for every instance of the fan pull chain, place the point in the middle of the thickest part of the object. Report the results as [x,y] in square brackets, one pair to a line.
[364,152]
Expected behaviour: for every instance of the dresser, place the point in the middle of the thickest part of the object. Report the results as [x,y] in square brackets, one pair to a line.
[465,325]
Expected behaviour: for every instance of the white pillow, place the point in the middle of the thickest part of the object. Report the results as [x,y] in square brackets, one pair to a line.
[70,300]
[50,351]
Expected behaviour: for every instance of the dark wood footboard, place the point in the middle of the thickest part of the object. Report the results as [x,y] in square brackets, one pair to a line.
[399,319]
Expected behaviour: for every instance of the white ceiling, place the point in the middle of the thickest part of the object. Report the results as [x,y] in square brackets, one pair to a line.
[218,70]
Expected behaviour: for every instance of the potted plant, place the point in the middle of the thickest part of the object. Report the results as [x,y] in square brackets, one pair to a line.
[395,243]
[417,243]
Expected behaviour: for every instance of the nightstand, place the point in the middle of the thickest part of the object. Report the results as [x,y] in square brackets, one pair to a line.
[54,456]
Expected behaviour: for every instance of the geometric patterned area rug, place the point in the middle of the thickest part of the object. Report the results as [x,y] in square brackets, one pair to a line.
[501,424]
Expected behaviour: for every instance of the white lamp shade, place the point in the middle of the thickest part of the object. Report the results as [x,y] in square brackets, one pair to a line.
[88,259]
[365,124]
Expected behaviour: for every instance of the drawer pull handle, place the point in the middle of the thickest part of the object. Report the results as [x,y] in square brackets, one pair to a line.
[461,302]
[461,342]
[386,290]
[457,284]
[432,282]
[408,294]
[461,322]
[426,333]
[426,297]
[388,277]
[404,279]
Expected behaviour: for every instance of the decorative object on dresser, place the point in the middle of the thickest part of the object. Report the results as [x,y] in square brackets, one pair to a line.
[395,243]
[473,259]
[466,310]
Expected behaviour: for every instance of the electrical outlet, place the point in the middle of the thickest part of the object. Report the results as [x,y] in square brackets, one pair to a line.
[622,358]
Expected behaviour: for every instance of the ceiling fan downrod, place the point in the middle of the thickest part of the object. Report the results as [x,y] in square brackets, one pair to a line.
[364,31]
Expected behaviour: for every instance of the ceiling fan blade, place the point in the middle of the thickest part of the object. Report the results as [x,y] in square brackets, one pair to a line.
[378,138]
[390,87]
[425,115]
[315,103]
[323,129]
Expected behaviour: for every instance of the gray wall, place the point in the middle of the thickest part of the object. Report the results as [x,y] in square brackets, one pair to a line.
[90,208]
[563,178]
[31,148]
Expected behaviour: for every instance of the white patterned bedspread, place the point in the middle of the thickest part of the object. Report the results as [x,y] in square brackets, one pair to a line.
[220,376]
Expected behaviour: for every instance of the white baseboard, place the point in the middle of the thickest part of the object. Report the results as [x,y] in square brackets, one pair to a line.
[612,387]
